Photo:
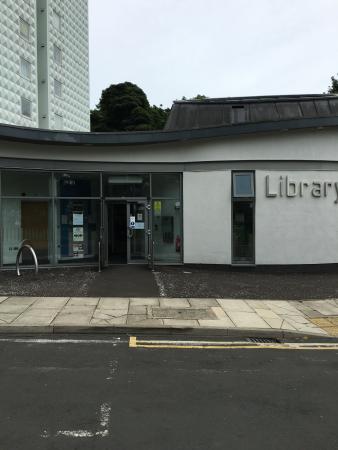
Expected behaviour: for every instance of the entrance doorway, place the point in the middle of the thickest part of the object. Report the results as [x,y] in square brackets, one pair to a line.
[126,235]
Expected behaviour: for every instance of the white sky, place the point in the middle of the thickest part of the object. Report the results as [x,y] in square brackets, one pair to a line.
[218,48]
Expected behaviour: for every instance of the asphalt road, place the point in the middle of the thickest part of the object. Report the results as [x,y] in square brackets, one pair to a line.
[104,395]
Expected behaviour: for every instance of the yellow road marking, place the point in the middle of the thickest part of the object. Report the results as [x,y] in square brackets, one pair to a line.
[135,343]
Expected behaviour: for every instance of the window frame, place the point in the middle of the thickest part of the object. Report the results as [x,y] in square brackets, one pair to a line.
[58,117]
[252,183]
[56,23]
[59,83]
[57,51]
[24,60]
[24,36]
[23,99]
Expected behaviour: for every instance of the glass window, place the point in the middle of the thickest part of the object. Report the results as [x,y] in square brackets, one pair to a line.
[77,185]
[31,220]
[132,185]
[57,55]
[167,231]
[243,231]
[58,122]
[78,224]
[25,68]
[165,185]
[24,29]
[25,184]
[26,107]
[57,88]
[56,20]
[243,184]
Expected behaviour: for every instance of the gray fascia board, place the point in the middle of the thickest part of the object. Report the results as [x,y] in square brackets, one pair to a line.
[40,136]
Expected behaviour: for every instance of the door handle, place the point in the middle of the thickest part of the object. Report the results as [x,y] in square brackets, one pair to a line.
[130,233]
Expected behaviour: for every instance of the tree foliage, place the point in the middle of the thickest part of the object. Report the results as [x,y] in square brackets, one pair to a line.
[125,107]
[333,89]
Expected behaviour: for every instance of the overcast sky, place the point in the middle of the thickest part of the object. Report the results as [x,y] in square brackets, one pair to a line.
[218,48]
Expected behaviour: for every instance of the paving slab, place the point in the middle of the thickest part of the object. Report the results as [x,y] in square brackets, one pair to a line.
[203,302]
[50,302]
[83,301]
[174,303]
[2,299]
[144,302]
[235,305]
[13,308]
[113,303]
[181,323]
[247,319]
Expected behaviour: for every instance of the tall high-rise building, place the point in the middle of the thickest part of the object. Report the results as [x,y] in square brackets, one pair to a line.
[44,64]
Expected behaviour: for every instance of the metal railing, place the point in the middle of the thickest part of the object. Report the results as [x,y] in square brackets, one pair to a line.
[21,249]
[100,261]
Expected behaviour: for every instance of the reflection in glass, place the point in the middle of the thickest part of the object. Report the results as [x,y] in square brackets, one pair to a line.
[26,220]
[243,244]
[25,184]
[78,185]
[243,185]
[165,185]
[133,185]
[167,233]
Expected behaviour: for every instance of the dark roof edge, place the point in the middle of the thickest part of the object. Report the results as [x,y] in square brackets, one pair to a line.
[258,99]
[39,136]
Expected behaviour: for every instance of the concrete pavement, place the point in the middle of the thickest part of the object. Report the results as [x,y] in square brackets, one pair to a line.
[229,316]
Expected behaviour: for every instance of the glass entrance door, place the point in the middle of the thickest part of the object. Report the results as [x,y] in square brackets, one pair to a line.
[137,223]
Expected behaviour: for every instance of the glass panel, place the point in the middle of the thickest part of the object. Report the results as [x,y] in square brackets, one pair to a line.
[243,237]
[27,220]
[166,185]
[136,185]
[167,234]
[26,107]
[78,223]
[25,184]
[78,185]
[243,185]
[136,233]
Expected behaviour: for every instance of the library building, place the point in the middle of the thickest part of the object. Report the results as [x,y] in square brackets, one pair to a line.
[249,181]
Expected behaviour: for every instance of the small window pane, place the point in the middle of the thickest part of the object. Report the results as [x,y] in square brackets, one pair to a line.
[25,184]
[167,231]
[24,29]
[243,185]
[78,185]
[166,185]
[57,55]
[78,230]
[132,185]
[57,88]
[58,122]
[26,107]
[25,68]
[56,20]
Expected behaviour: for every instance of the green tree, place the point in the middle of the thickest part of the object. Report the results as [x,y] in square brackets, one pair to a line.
[333,89]
[197,97]
[125,107]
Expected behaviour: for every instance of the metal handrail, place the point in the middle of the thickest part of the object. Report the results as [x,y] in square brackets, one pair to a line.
[100,262]
[21,249]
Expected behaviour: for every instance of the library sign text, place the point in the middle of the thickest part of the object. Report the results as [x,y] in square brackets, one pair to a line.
[285,186]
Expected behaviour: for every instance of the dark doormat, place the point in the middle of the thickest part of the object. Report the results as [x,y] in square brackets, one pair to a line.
[124,281]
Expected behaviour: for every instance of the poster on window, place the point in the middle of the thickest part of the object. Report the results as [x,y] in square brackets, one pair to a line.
[77,219]
[77,234]
[78,250]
